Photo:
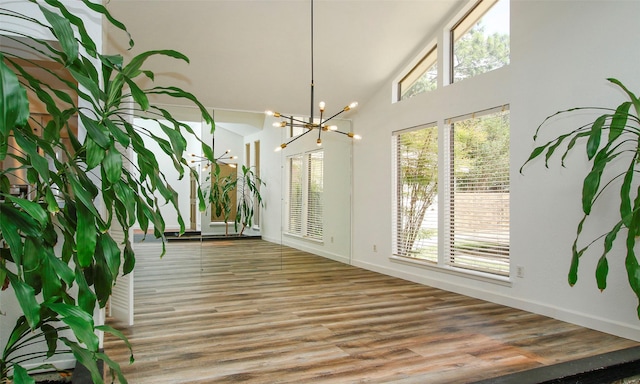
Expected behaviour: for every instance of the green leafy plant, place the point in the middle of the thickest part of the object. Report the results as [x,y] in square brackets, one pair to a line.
[612,145]
[221,189]
[248,186]
[57,255]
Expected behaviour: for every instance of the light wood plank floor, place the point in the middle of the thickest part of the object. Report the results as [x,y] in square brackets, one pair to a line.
[252,312]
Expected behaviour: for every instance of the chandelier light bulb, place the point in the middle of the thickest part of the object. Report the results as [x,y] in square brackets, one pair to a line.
[351,106]
[319,142]
[333,127]
[280,124]
[322,105]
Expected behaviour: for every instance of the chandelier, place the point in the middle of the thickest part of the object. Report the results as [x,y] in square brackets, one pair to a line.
[322,123]
[219,160]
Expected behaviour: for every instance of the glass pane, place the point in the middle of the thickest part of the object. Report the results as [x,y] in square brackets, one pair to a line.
[295,196]
[422,78]
[479,194]
[417,194]
[314,207]
[480,42]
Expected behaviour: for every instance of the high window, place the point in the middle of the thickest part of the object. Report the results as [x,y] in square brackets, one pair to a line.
[305,195]
[421,78]
[416,200]
[477,192]
[480,40]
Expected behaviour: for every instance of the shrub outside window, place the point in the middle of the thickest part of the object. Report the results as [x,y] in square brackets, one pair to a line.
[416,221]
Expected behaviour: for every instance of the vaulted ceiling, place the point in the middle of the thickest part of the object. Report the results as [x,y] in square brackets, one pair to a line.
[253,55]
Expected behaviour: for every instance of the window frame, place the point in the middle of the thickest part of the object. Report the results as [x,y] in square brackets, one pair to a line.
[473,14]
[448,254]
[418,70]
[308,227]
[399,228]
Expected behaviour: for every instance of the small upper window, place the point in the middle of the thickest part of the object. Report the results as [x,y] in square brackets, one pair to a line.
[421,78]
[480,40]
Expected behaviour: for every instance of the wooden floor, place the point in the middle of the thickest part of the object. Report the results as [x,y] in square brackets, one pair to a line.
[252,312]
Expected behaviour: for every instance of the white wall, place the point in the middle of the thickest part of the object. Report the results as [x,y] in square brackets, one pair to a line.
[561,53]
[336,193]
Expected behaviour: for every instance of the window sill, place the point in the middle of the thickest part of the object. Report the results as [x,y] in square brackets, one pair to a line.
[304,238]
[475,275]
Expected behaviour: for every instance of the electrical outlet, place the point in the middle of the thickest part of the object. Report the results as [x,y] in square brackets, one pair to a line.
[520,271]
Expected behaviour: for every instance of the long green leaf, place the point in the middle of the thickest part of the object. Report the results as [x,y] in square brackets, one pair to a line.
[86,297]
[94,153]
[20,375]
[632,96]
[27,300]
[594,136]
[80,322]
[14,105]
[86,236]
[95,131]
[602,270]
[111,253]
[619,121]
[625,194]
[63,32]
[87,358]
[34,210]
[112,165]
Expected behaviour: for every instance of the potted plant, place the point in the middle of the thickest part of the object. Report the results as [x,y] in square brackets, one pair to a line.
[56,252]
[612,146]
[221,189]
[247,189]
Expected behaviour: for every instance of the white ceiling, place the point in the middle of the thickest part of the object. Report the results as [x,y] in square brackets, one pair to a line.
[253,55]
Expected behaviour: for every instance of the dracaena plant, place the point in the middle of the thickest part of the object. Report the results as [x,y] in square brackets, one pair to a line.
[612,146]
[57,255]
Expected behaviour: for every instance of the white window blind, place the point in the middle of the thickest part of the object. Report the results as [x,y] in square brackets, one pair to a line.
[416,193]
[305,205]
[295,195]
[314,196]
[477,192]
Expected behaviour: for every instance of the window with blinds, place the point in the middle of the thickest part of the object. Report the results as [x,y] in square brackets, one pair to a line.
[477,192]
[416,193]
[295,195]
[256,161]
[306,174]
[314,196]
